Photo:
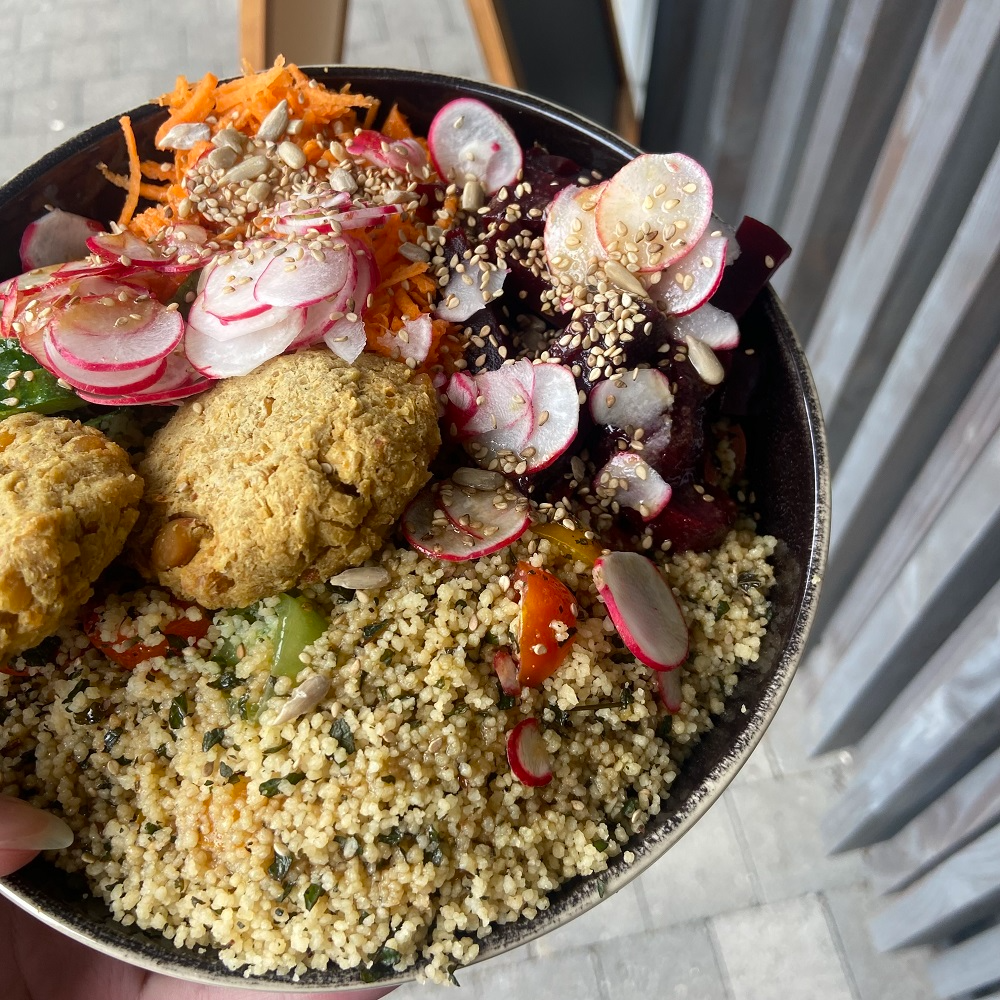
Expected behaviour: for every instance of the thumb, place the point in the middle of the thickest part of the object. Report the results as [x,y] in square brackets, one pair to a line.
[25,830]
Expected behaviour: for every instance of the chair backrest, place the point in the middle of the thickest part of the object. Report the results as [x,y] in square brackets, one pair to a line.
[868,133]
[308,32]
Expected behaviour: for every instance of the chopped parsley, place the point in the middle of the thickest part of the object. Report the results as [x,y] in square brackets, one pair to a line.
[272,786]
[311,896]
[212,738]
[370,631]
[341,732]
[280,866]
[178,711]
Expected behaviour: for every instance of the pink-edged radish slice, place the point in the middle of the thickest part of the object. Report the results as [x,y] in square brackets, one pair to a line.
[115,383]
[427,528]
[226,286]
[229,329]
[719,228]
[346,338]
[55,238]
[629,481]
[100,333]
[571,243]
[460,393]
[401,155]
[718,329]
[555,410]
[303,282]
[415,338]
[643,609]
[500,402]
[668,193]
[224,359]
[506,669]
[468,140]
[691,281]
[668,683]
[528,756]
[488,512]
[177,256]
[366,217]
[178,382]
[637,399]
[465,294]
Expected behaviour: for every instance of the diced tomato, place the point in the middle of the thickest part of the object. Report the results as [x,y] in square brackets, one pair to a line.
[548,623]
[11,672]
[129,652]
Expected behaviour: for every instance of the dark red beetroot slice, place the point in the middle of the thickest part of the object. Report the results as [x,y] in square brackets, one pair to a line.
[695,521]
[643,608]
[527,754]
[762,251]
[668,193]
[55,238]
[468,140]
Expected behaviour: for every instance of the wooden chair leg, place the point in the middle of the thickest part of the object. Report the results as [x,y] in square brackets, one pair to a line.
[310,32]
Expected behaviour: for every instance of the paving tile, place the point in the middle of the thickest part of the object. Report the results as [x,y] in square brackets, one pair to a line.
[365,23]
[51,25]
[781,950]
[33,110]
[779,821]
[703,874]
[759,767]
[569,976]
[895,976]
[618,916]
[399,52]
[677,963]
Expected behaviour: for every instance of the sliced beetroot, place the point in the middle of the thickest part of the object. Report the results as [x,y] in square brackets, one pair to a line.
[695,519]
[241,355]
[55,238]
[643,608]
[668,683]
[101,333]
[718,329]
[638,399]
[529,758]
[468,140]
[571,244]
[762,251]
[691,281]
[300,278]
[506,669]
[468,292]
[667,193]
[401,155]
[488,512]
[630,482]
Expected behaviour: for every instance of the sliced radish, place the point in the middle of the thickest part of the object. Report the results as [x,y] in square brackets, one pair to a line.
[415,338]
[241,355]
[101,333]
[226,286]
[468,140]
[718,329]
[528,755]
[555,410]
[487,512]
[366,217]
[460,392]
[401,155]
[55,238]
[346,338]
[506,670]
[641,398]
[571,243]
[691,281]
[643,608]
[309,279]
[668,683]
[631,482]
[177,255]
[112,383]
[493,403]
[668,193]
[179,381]
[229,329]
[465,294]
[719,228]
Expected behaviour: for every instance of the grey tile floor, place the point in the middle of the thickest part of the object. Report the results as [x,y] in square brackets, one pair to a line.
[747,906]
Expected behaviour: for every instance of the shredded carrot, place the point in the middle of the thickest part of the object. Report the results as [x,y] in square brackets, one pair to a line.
[396,126]
[134,174]
[155,170]
[198,106]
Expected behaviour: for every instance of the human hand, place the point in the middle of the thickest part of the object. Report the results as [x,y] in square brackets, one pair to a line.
[40,962]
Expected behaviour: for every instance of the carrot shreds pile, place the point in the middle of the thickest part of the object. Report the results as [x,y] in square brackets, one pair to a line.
[134,174]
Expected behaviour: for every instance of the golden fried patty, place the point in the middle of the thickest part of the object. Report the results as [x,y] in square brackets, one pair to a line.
[287,475]
[68,499]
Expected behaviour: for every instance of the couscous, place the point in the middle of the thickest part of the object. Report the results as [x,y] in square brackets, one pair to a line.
[373,769]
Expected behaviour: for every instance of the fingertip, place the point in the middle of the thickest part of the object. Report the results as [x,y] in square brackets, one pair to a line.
[10,861]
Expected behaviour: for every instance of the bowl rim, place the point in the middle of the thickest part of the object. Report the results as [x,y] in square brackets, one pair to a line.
[715,782]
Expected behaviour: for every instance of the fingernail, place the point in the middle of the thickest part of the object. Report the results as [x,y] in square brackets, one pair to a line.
[25,828]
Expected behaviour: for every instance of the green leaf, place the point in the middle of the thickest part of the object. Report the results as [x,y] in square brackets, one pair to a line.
[370,631]
[212,738]
[81,685]
[178,712]
[392,838]
[341,732]
[151,828]
[311,896]
[276,748]
[601,845]
[111,737]
[227,680]
[720,609]
[388,956]
[272,786]
[279,867]
[225,770]
[626,696]
[45,652]
[43,394]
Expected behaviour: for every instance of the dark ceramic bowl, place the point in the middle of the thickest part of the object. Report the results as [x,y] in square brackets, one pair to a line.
[788,469]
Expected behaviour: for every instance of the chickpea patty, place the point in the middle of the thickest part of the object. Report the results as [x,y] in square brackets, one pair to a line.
[68,499]
[285,476]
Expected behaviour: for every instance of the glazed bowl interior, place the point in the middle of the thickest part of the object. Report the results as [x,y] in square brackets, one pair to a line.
[786,465]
